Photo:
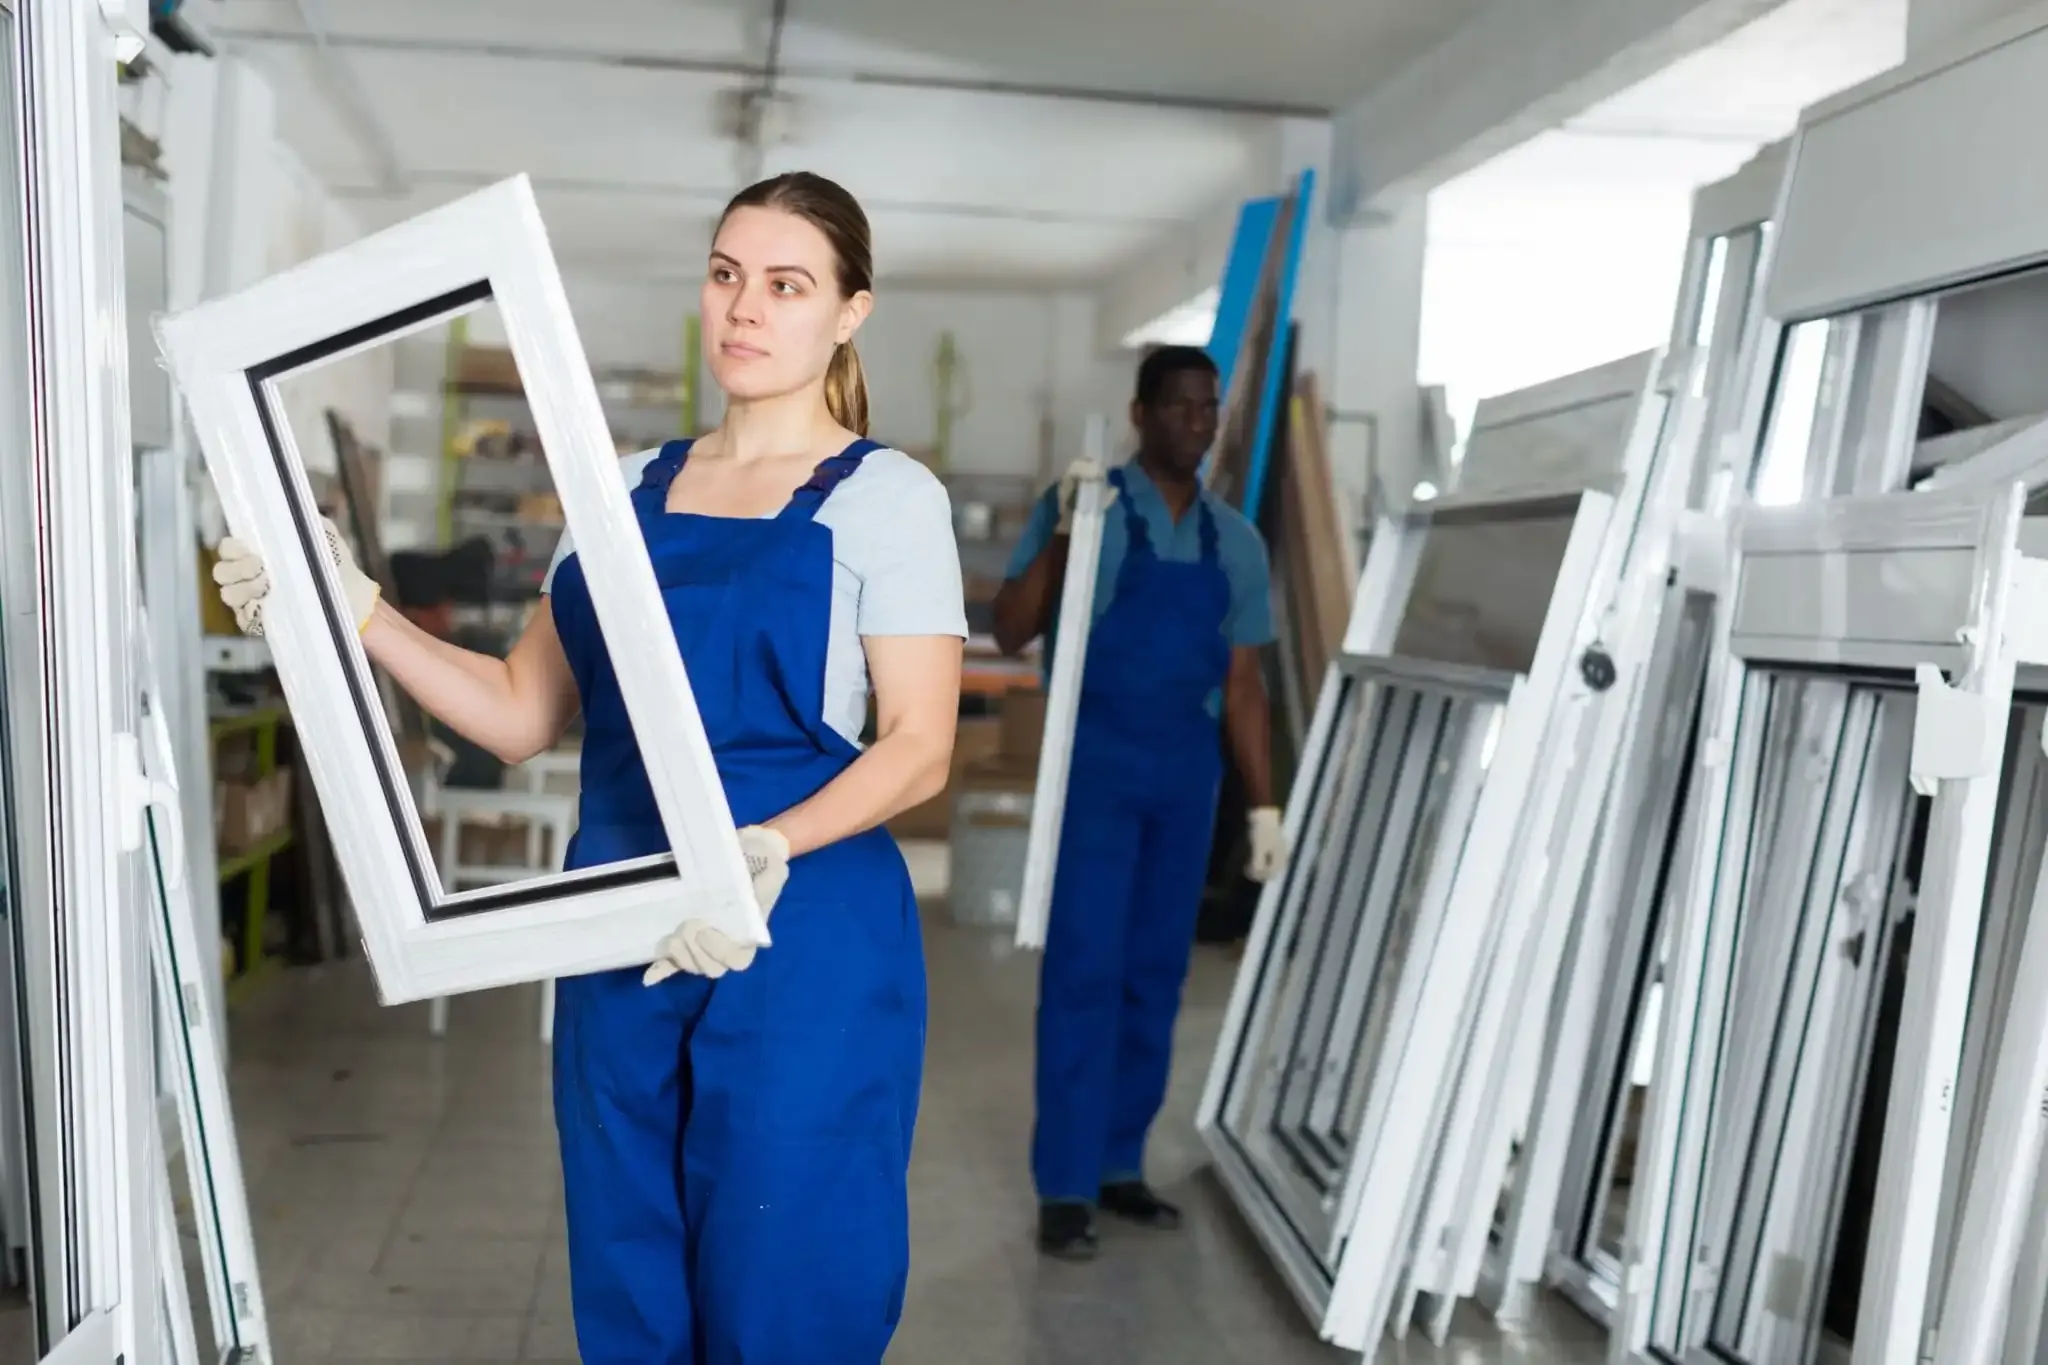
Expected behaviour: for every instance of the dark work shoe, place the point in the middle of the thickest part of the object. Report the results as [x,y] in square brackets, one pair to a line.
[1135,1201]
[1066,1231]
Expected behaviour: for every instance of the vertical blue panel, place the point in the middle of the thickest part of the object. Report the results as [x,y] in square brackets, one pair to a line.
[1273,382]
[1255,223]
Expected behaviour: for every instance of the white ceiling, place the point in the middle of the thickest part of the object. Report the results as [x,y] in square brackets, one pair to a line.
[1038,143]
[1692,123]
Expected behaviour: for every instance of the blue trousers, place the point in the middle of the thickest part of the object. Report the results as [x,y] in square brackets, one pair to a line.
[735,1152]
[1132,864]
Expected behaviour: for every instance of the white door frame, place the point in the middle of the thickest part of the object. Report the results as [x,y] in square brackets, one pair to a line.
[67,565]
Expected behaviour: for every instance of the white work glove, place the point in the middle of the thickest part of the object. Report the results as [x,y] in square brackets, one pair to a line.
[697,948]
[1070,492]
[245,582]
[1269,844]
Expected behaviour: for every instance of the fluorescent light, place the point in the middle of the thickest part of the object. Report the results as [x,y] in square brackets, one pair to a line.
[1425,491]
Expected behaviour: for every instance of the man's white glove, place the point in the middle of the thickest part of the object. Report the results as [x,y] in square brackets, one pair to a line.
[1269,844]
[1078,472]
[697,948]
[245,582]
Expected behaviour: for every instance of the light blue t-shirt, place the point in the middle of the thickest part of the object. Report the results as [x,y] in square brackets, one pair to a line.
[1240,550]
[895,569]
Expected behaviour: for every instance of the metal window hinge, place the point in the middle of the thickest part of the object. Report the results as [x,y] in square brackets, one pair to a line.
[1700,551]
[1953,732]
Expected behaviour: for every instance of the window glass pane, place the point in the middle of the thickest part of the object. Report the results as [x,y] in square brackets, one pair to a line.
[17,1321]
[459,539]
[1483,586]
[1795,402]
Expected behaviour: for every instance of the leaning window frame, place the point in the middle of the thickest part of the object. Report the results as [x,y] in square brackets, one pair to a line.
[1488,1098]
[1672,1305]
[226,356]
[1878,270]
[1566,1163]
[1468,866]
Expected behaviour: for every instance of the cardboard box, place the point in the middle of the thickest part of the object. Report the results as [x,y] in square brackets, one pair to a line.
[492,843]
[1023,719]
[488,367]
[976,738]
[247,813]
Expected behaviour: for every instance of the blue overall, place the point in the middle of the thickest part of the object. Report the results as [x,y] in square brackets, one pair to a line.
[1134,854]
[736,1151]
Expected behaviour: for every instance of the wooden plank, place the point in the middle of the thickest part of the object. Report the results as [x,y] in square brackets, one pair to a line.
[1321,579]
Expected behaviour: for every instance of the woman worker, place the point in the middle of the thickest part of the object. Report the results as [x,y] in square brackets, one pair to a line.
[735,1131]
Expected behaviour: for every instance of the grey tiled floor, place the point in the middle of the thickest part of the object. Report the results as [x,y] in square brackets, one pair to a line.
[407,1199]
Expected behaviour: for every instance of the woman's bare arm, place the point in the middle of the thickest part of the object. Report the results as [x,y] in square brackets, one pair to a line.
[917,705]
[515,707]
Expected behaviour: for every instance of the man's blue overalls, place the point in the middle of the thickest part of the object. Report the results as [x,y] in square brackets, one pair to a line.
[1134,854]
[736,1151]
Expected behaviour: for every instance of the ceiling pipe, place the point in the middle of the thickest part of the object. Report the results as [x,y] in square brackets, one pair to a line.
[436,47]
[349,97]
[751,156]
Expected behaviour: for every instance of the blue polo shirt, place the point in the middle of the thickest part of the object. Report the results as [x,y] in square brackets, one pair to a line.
[1240,549]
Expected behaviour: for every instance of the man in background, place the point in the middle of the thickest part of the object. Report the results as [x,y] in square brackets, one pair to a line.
[1182,606]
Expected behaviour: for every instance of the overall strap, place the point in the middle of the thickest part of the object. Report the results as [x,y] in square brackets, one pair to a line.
[830,473]
[1136,537]
[661,472]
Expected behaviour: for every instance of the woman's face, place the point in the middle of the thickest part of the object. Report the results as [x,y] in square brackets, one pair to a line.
[771,305]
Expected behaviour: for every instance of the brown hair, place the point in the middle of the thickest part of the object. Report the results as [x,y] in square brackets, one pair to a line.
[826,206]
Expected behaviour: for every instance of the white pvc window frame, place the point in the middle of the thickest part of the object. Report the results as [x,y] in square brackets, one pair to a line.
[1305,1010]
[1570,1141]
[1523,443]
[227,357]
[1992,1310]
[1879,591]
[1063,696]
[191,1021]
[67,571]
[1343,1281]
[1486,1098]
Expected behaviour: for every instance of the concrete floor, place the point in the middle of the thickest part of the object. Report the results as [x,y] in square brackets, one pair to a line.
[407,1198]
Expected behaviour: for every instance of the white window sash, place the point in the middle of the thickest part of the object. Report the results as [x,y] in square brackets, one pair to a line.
[1313,1235]
[1870,584]
[226,357]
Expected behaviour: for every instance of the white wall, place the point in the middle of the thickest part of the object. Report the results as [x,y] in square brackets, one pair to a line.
[1556,257]
[243,206]
[306,222]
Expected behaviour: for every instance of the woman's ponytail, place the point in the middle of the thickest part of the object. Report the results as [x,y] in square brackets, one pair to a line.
[846,390]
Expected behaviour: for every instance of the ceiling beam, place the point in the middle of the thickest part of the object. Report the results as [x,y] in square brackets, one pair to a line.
[1515,69]
[804,71]
[712,199]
